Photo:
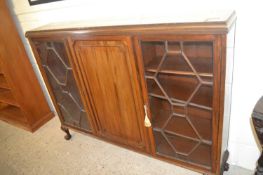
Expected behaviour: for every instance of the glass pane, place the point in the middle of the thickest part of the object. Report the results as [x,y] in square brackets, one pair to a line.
[179,78]
[60,76]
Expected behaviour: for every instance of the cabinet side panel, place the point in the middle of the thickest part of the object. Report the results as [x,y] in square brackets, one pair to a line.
[229,52]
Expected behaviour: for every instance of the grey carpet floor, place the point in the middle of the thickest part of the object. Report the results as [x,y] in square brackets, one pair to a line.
[47,153]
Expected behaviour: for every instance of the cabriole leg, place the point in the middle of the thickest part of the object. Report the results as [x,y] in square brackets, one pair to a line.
[67,136]
[224,165]
[259,170]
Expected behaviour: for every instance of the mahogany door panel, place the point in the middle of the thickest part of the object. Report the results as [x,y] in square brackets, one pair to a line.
[109,72]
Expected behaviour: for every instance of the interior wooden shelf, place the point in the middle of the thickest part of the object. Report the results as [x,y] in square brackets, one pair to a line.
[162,146]
[180,88]
[12,112]
[177,87]
[182,145]
[179,72]
[160,118]
[180,101]
[182,135]
[172,65]
[201,120]
[202,155]
[183,149]
[6,96]
[3,83]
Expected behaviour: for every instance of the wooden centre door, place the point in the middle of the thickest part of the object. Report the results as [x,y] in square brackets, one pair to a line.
[109,74]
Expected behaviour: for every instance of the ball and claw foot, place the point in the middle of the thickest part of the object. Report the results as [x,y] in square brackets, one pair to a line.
[67,136]
[259,170]
[226,167]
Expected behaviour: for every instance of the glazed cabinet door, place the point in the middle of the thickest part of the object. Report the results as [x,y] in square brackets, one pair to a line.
[54,63]
[179,78]
[108,68]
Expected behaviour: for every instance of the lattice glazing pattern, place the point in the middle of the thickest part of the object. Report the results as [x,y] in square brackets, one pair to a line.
[55,62]
[180,84]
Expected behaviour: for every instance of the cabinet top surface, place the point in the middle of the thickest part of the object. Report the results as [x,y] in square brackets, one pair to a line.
[196,22]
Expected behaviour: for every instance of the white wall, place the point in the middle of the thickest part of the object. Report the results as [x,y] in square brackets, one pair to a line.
[248,71]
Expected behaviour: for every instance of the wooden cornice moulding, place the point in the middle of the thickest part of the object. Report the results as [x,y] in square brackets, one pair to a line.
[210,25]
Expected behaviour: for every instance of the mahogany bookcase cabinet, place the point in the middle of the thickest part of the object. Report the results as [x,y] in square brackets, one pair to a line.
[162,89]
